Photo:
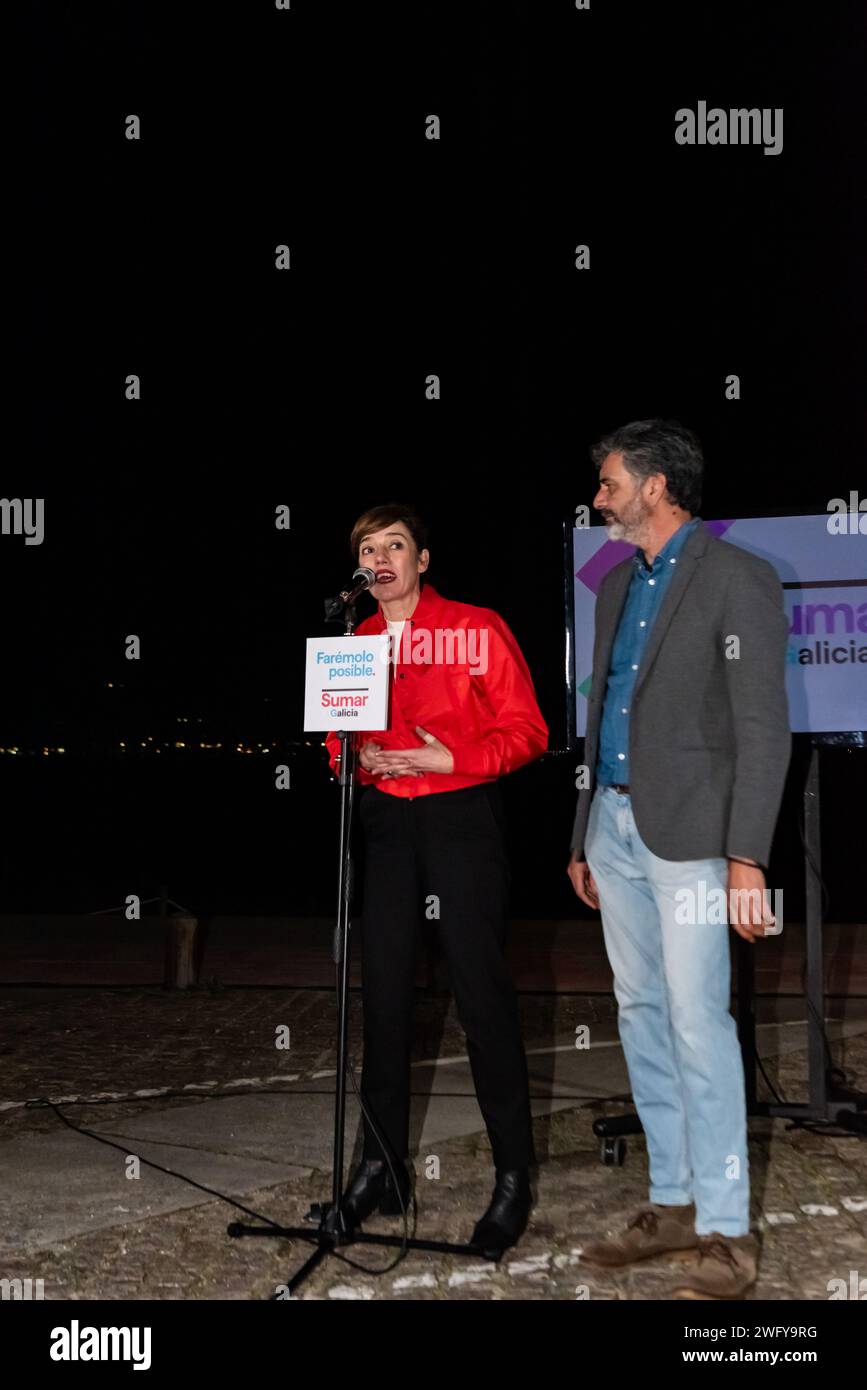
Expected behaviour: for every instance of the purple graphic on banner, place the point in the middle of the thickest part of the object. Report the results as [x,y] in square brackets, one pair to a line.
[606,557]
[612,552]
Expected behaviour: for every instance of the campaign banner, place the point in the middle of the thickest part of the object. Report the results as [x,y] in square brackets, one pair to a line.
[823,573]
[346,683]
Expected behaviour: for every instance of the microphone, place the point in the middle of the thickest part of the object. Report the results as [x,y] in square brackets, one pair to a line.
[365,579]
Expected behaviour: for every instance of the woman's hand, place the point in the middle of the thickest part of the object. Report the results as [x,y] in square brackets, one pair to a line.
[414,762]
[367,756]
[371,759]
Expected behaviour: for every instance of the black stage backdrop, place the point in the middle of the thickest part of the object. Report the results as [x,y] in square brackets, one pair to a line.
[307,127]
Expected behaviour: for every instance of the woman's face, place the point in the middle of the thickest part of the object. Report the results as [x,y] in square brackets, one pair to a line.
[392,555]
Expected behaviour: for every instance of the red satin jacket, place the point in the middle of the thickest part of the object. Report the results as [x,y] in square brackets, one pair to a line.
[472,689]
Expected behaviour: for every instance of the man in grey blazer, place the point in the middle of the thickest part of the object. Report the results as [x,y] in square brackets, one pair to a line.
[687,747]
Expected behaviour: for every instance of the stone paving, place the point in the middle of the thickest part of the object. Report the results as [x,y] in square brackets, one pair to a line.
[809,1189]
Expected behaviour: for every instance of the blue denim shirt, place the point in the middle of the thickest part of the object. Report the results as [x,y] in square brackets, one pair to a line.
[643,600]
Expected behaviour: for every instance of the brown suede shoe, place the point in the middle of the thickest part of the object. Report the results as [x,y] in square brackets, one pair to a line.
[725,1268]
[655,1230]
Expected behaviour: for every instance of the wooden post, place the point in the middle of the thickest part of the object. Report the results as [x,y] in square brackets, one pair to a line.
[181,951]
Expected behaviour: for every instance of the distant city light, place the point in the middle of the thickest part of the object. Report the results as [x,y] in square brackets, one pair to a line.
[152,745]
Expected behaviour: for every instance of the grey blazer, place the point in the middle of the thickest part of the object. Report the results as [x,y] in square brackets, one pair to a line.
[709,740]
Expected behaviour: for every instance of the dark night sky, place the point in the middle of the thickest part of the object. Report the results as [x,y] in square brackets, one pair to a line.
[408,257]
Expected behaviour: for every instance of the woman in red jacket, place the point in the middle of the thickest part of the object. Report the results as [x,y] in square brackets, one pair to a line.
[463,713]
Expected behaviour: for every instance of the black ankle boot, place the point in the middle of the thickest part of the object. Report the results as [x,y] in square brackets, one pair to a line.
[372,1189]
[505,1220]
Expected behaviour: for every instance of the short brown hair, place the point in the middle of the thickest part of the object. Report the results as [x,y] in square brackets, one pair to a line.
[377,518]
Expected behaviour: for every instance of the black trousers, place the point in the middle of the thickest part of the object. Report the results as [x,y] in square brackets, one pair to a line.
[449,844]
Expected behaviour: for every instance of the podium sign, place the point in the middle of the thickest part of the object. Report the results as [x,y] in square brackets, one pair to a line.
[347,684]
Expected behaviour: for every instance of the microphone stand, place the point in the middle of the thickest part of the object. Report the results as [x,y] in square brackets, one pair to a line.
[333,1229]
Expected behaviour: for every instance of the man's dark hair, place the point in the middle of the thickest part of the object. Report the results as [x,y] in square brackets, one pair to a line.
[659,446]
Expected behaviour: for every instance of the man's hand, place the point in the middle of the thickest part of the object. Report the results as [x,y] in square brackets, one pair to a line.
[583,882]
[415,762]
[749,912]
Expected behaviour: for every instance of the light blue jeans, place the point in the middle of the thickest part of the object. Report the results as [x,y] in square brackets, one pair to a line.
[672,982]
